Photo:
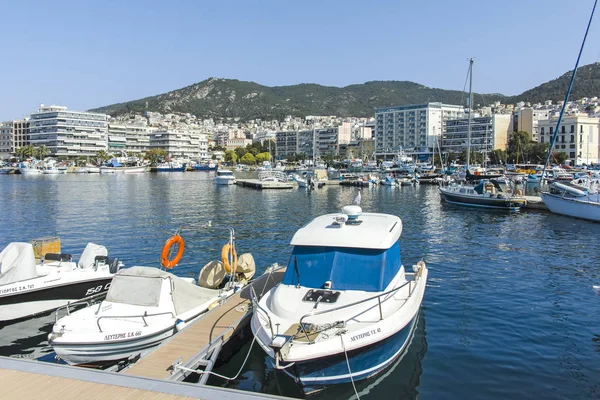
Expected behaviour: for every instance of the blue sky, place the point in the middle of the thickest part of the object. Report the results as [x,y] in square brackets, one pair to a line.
[86,54]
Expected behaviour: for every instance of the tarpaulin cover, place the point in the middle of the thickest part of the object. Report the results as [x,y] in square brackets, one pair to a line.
[347,268]
[17,263]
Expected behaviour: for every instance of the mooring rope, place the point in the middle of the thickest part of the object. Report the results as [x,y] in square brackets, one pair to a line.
[349,370]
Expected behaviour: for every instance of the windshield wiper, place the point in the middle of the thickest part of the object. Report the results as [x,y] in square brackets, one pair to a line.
[297,271]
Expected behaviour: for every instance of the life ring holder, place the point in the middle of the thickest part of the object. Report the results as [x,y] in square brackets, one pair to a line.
[229,250]
[164,255]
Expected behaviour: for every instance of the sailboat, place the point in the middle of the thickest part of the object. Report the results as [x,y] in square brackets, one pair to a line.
[570,199]
[488,193]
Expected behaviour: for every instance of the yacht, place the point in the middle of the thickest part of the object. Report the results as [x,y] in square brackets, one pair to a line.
[28,289]
[487,194]
[225,177]
[346,308]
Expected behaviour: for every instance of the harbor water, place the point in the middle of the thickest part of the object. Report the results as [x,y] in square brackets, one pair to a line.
[509,310]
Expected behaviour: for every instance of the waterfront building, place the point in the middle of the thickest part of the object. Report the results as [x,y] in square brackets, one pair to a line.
[137,138]
[526,119]
[234,143]
[68,133]
[117,143]
[577,137]
[180,143]
[286,144]
[413,128]
[6,140]
[487,133]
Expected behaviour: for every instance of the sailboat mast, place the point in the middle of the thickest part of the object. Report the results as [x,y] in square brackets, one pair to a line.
[470,108]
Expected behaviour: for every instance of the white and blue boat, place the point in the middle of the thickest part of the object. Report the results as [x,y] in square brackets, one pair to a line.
[346,308]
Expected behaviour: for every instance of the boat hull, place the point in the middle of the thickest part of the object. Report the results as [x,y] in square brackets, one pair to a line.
[123,170]
[571,207]
[17,302]
[483,202]
[364,362]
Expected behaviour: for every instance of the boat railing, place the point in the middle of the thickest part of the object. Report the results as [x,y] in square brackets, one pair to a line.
[143,317]
[389,294]
[88,301]
[279,176]
[258,309]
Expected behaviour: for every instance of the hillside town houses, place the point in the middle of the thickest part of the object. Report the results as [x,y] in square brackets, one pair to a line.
[420,130]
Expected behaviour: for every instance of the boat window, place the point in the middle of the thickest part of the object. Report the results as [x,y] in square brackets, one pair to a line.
[347,268]
[135,290]
[462,190]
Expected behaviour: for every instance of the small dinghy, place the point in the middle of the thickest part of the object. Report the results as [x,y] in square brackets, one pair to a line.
[346,308]
[28,289]
[143,307]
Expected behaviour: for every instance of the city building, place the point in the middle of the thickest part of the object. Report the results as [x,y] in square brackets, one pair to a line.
[187,144]
[487,133]
[412,128]
[526,119]
[6,140]
[286,144]
[68,133]
[234,143]
[577,137]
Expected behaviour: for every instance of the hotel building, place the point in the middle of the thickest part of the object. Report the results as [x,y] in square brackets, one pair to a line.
[413,128]
[68,133]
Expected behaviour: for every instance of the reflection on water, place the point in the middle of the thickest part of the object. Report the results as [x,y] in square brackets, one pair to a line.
[509,305]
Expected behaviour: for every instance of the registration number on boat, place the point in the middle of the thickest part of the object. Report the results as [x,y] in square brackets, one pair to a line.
[122,335]
[16,289]
[365,334]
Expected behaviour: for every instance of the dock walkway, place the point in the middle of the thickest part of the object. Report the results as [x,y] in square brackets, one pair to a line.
[218,325]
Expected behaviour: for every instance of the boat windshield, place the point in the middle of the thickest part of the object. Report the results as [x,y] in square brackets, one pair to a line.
[225,173]
[347,268]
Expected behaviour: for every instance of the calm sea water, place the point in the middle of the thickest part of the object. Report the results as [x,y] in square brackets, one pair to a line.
[509,310]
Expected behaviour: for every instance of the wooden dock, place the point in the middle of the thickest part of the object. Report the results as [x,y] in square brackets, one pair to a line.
[28,379]
[214,328]
[258,184]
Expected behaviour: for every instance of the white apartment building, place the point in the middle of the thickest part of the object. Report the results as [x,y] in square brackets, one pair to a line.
[577,137]
[6,140]
[190,144]
[234,143]
[68,133]
[134,139]
[488,133]
[412,128]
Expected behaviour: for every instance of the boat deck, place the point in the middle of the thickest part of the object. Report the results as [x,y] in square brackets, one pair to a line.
[219,324]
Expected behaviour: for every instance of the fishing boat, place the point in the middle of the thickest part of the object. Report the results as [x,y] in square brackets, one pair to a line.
[225,177]
[27,168]
[146,305]
[113,166]
[210,166]
[171,166]
[573,200]
[28,289]
[346,307]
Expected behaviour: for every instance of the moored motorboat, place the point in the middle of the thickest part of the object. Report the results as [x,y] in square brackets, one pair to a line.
[28,289]
[346,307]
[171,166]
[143,307]
[225,177]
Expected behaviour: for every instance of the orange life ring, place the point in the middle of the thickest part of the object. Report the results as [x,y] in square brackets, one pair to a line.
[164,255]
[225,257]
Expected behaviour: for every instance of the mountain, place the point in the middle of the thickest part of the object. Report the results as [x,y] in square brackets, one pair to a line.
[587,84]
[217,97]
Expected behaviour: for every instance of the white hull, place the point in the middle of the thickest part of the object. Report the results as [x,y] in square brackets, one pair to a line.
[93,170]
[11,312]
[123,170]
[223,181]
[576,208]
[30,171]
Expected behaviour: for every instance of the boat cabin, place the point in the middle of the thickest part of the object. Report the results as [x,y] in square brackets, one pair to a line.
[350,251]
